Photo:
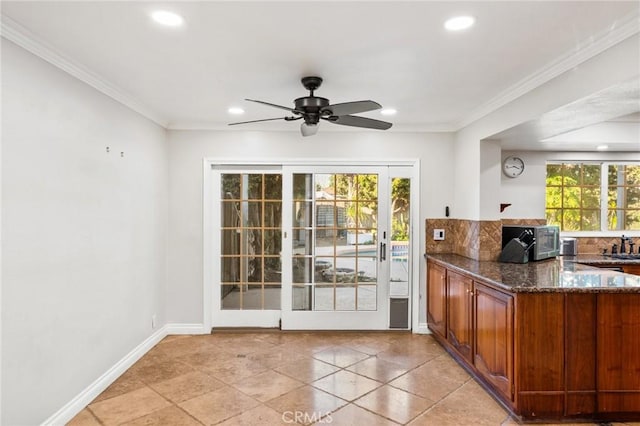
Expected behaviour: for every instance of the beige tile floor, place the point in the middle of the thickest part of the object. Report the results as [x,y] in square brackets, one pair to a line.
[280,378]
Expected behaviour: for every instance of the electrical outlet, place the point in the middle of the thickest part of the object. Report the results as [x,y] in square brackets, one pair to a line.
[154,321]
[438,234]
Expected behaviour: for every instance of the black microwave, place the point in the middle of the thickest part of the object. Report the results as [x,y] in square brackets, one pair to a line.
[546,237]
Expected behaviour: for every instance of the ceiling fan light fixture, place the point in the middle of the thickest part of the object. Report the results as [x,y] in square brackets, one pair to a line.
[459,23]
[308,129]
[388,111]
[166,18]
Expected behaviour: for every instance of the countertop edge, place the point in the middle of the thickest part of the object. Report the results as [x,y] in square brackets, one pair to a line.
[445,260]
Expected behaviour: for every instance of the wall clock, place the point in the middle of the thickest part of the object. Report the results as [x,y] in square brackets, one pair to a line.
[512,167]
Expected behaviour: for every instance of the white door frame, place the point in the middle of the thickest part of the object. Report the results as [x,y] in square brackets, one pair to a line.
[208,223]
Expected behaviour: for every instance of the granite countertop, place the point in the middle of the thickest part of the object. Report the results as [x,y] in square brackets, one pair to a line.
[562,274]
[598,259]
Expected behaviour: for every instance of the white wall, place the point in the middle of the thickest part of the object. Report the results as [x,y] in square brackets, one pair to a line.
[614,66]
[188,148]
[490,178]
[84,235]
[526,193]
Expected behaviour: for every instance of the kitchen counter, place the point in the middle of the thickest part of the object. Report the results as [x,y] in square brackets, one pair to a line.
[598,259]
[551,340]
[563,274]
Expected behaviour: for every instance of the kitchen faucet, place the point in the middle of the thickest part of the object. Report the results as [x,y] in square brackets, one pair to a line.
[623,239]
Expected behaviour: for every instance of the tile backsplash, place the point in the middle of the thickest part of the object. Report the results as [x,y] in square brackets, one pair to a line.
[476,239]
[592,245]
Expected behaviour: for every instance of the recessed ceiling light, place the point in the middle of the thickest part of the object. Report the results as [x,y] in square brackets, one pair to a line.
[388,111]
[459,23]
[170,19]
[602,147]
[235,110]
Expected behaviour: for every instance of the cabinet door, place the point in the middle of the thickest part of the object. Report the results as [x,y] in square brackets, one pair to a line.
[494,338]
[459,314]
[618,353]
[436,299]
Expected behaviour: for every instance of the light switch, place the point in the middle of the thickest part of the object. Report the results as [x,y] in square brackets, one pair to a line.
[438,234]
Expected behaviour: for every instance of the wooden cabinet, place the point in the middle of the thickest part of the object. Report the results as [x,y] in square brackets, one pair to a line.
[475,321]
[546,355]
[493,343]
[437,299]
[618,353]
[540,355]
[460,314]
[580,350]
[631,269]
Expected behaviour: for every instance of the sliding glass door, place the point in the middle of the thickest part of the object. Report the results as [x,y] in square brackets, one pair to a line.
[247,253]
[336,255]
[302,247]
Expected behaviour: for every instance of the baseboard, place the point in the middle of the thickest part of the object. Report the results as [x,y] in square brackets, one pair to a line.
[77,404]
[423,329]
[178,328]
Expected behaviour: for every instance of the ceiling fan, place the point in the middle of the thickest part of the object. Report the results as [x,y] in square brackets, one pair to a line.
[314,108]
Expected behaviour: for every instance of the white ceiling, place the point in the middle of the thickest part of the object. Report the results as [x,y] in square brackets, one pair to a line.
[396,53]
[608,117]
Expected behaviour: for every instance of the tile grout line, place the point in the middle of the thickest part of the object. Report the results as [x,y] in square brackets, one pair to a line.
[94,415]
[304,356]
[445,397]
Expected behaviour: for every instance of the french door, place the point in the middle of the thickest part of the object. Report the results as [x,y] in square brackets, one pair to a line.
[306,247]
[336,248]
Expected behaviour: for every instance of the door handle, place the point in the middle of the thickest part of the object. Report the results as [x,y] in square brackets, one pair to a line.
[383,252]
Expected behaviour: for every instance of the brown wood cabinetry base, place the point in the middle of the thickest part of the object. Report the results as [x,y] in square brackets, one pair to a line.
[631,269]
[543,355]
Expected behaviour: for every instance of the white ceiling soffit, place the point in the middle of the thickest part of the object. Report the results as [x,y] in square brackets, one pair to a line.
[402,59]
[598,44]
[610,116]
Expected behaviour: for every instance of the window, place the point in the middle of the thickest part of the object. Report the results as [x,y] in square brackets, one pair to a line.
[593,197]
[623,197]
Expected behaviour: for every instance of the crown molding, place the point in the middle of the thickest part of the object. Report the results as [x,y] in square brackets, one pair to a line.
[625,28]
[13,31]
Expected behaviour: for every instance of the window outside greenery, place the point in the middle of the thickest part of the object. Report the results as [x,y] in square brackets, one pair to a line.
[574,196]
[623,197]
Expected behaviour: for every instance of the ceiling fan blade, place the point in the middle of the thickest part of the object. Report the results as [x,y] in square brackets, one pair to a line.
[274,105]
[352,120]
[352,107]
[256,121]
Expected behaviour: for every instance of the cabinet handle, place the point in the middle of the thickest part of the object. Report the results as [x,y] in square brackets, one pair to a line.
[471,293]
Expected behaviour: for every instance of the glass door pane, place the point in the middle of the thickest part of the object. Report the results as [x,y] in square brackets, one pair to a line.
[251,241]
[400,215]
[336,248]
